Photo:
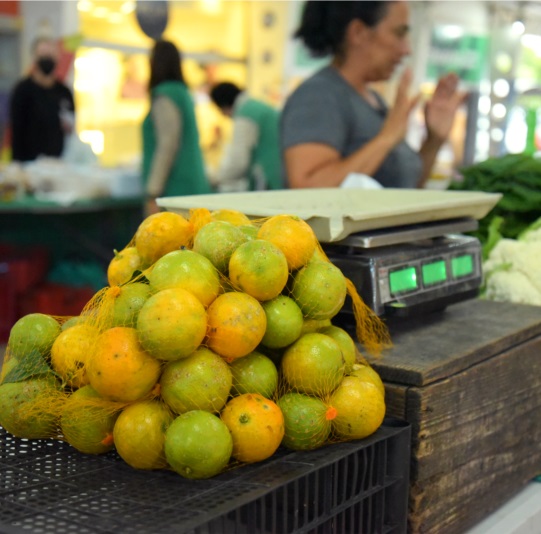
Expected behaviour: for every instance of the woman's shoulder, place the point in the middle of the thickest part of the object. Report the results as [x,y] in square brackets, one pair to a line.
[324,84]
[321,78]
[322,90]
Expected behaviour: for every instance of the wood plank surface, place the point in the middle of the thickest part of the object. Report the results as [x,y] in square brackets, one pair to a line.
[475,438]
[439,345]
[478,412]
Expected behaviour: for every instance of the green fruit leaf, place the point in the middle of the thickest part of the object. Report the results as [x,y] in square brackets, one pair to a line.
[32,366]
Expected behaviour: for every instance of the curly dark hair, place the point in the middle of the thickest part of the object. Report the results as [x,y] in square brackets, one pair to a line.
[324,22]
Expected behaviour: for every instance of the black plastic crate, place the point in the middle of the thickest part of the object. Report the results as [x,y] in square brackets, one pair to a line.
[358,487]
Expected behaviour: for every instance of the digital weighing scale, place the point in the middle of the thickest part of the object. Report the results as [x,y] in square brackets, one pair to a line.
[413,268]
[403,249]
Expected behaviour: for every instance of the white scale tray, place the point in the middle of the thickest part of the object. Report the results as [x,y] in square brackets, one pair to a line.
[336,213]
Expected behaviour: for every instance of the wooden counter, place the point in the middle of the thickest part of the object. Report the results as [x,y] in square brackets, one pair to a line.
[468,380]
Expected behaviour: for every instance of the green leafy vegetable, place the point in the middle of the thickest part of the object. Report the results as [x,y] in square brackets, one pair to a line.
[518,178]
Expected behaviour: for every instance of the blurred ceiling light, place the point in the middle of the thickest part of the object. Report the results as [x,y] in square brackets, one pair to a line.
[84,5]
[81,63]
[517,28]
[83,86]
[499,111]
[211,6]
[484,104]
[100,12]
[501,88]
[127,7]
[450,31]
[533,42]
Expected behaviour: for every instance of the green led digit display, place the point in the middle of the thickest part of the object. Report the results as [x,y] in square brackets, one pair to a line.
[403,280]
[434,273]
[462,265]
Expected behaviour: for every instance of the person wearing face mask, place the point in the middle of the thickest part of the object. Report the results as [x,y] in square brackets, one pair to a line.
[41,107]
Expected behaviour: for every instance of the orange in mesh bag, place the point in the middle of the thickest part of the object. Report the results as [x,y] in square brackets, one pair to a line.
[203,314]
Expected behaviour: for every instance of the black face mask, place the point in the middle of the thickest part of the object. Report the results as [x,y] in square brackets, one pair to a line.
[46,65]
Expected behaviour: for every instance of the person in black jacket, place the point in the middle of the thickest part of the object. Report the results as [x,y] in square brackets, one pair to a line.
[41,107]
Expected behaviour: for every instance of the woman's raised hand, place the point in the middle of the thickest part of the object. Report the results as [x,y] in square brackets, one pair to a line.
[395,126]
[440,110]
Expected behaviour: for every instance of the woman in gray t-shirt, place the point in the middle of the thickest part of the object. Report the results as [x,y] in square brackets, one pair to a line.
[333,124]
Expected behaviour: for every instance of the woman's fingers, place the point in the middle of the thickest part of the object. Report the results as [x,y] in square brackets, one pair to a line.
[404,86]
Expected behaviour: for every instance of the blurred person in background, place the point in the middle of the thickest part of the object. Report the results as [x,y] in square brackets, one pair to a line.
[172,157]
[41,107]
[334,125]
[252,160]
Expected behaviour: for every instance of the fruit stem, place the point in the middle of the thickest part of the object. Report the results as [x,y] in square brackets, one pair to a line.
[243,419]
[114,292]
[108,440]
[331,413]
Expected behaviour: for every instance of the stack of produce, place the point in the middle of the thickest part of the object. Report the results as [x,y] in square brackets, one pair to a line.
[518,178]
[510,234]
[212,346]
[512,268]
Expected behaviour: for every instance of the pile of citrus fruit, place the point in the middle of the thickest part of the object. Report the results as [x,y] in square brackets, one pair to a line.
[212,346]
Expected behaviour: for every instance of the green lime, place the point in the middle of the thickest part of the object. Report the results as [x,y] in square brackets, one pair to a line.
[139,434]
[198,444]
[284,322]
[313,365]
[201,381]
[88,420]
[319,289]
[188,270]
[307,421]
[35,331]
[127,302]
[217,241]
[254,373]
[28,408]
[345,342]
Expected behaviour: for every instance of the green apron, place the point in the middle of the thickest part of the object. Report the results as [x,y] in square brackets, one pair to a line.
[187,175]
[265,158]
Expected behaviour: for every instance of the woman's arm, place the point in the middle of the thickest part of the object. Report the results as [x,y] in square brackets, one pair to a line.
[320,165]
[168,126]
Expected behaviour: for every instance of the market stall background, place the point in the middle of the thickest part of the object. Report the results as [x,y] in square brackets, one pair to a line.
[493,45]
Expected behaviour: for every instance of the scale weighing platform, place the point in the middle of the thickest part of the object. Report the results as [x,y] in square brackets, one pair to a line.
[404,249]
[413,268]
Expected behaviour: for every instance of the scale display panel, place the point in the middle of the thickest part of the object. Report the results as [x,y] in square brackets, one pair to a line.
[403,277]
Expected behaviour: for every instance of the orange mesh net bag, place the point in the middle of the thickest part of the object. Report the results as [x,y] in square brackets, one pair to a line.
[213,345]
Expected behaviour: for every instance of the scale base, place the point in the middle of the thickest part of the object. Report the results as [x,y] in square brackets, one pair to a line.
[434,305]
[346,319]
